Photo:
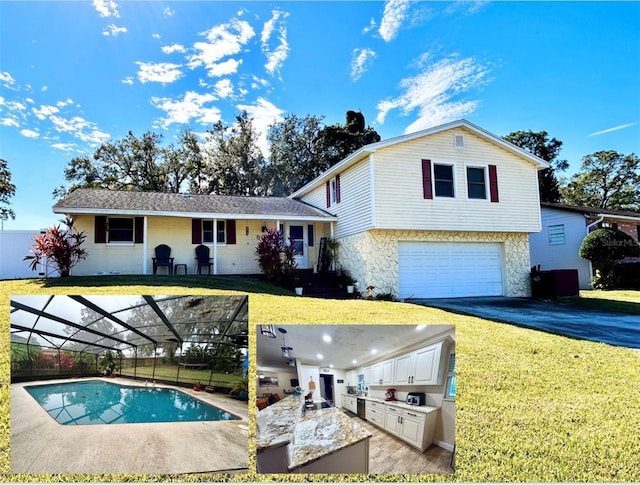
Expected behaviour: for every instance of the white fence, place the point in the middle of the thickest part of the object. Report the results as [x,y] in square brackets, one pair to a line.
[14,246]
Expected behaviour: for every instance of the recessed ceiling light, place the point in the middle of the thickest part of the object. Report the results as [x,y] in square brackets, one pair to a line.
[320,356]
[354,361]
[331,365]
[420,327]
[374,351]
[326,338]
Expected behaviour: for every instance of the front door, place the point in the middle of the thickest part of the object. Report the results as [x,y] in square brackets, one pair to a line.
[298,238]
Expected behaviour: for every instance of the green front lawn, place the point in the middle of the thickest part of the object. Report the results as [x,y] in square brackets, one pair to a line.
[531,406]
[625,301]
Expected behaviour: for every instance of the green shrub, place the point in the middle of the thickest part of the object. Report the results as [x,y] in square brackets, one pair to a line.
[604,248]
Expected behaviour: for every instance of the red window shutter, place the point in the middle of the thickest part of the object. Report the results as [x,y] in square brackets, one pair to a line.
[100,229]
[328,186]
[493,183]
[231,231]
[427,190]
[196,231]
[337,189]
[138,230]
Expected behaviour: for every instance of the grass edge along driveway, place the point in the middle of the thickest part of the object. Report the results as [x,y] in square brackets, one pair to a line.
[531,406]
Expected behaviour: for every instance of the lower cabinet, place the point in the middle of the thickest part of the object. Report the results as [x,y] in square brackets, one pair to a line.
[375,412]
[350,403]
[414,427]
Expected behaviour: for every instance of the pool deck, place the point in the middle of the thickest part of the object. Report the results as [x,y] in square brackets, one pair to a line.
[40,445]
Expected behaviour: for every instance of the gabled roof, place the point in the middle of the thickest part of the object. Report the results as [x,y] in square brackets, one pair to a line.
[366,150]
[122,202]
[593,211]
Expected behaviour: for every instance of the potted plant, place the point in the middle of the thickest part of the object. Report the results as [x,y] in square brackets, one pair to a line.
[108,364]
[241,390]
[197,386]
[297,284]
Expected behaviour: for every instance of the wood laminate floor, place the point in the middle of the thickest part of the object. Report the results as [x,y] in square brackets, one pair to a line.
[389,455]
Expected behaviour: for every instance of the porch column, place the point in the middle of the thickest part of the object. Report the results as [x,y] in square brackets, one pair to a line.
[145,253]
[215,246]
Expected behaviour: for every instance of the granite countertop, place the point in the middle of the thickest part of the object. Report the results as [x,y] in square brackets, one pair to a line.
[322,432]
[310,435]
[276,422]
[399,404]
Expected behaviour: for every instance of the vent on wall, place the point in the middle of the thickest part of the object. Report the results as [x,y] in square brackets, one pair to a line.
[459,141]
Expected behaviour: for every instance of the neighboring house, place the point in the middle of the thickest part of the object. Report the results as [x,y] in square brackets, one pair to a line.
[563,229]
[443,212]
[123,228]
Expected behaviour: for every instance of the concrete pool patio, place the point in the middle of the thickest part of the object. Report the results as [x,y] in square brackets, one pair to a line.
[40,445]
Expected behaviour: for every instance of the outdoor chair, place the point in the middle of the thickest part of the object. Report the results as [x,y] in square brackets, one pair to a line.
[163,253]
[203,259]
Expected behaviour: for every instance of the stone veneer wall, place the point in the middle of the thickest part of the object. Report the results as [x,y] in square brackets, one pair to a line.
[372,257]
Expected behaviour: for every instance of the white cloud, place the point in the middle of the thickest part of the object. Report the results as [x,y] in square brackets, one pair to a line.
[106,8]
[432,93]
[62,104]
[222,40]
[224,88]
[128,80]
[465,7]
[615,128]
[30,100]
[167,12]
[395,13]
[264,114]
[259,83]
[6,78]
[114,30]
[78,127]
[223,68]
[170,49]
[30,133]
[155,36]
[65,147]
[191,107]
[361,59]
[44,111]
[9,122]
[44,88]
[372,25]
[162,72]
[278,54]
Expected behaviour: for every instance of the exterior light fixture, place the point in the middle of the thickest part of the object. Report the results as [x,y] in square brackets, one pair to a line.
[268,331]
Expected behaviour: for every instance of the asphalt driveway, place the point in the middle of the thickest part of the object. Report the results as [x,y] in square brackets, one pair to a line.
[599,326]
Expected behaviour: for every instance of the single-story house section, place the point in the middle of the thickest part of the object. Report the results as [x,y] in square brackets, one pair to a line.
[563,229]
[444,212]
[123,229]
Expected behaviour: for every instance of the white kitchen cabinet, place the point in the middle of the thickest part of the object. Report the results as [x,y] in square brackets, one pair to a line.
[351,378]
[350,403]
[375,412]
[420,367]
[392,420]
[412,428]
[386,374]
[370,376]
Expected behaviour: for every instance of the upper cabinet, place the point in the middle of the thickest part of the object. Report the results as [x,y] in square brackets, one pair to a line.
[419,367]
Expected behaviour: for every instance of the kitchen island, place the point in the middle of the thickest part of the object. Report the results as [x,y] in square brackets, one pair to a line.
[325,440]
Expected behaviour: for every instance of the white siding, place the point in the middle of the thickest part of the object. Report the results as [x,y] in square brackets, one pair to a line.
[561,256]
[399,189]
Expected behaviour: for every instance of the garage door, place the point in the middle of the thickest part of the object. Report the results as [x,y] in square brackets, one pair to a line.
[443,270]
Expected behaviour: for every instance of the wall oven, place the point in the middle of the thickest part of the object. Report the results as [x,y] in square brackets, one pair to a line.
[361,407]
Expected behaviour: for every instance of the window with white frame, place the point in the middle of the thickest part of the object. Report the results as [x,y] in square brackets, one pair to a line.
[120,230]
[476,183]
[450,388]
[208,231]
[556,234]
[443,178]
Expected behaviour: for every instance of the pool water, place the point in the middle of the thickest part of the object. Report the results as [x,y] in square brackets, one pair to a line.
[99,402]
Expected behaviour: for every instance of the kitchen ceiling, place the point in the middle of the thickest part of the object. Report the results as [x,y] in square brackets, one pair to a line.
[348,342]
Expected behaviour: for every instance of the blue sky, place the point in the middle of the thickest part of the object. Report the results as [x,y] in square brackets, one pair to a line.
[74,74]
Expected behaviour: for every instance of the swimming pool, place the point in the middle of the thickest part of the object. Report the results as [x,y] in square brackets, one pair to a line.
[100,402]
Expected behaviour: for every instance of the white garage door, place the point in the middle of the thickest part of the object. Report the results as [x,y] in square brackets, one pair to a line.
[443,270]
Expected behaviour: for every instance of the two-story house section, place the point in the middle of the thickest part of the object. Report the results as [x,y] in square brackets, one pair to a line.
[444,212]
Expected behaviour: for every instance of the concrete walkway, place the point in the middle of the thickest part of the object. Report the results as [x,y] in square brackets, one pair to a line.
[613,328]
[40,445]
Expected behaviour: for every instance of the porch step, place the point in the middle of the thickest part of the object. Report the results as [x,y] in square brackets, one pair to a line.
[321,285]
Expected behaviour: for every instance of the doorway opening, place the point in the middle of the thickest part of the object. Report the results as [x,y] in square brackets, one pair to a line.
[326,388]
